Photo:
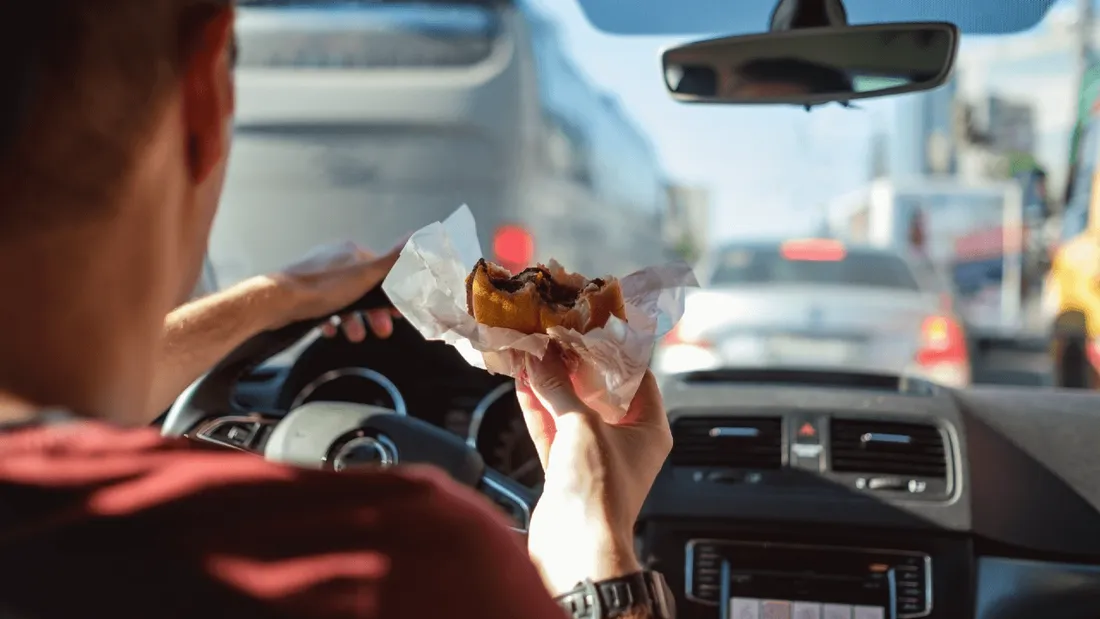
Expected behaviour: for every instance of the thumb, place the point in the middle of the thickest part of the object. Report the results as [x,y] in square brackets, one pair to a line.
[551,384]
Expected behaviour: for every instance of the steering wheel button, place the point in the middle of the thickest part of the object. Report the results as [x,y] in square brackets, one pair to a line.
[239,435]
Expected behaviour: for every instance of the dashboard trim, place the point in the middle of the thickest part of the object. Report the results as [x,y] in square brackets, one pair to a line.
[689,562]
[381,380]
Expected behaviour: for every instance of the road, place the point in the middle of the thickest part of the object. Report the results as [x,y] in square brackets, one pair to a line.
[1013,367]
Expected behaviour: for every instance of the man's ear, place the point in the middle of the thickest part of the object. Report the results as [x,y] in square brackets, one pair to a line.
[208,94]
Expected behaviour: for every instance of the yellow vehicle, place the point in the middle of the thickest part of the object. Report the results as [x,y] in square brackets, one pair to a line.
[1072,291]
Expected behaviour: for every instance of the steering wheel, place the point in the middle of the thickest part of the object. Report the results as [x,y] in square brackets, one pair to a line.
[338,436]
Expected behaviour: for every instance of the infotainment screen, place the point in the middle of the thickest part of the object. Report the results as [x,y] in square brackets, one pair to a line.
[776,581]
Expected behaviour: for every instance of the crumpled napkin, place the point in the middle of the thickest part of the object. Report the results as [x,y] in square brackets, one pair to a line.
[428,286]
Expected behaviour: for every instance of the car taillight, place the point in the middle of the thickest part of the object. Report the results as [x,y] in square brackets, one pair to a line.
[942,341]
[942,356]
[675,337]
[813,250]
[681,352]
[513,248]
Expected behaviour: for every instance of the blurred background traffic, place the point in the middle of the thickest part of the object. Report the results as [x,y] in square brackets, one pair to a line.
[949,234]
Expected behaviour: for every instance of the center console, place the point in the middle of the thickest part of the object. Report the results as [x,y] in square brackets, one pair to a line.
[790,581]
[756,573]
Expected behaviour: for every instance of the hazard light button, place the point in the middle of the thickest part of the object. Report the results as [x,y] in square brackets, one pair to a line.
[805,430]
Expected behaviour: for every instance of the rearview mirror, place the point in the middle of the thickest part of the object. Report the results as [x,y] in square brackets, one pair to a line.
[813,66]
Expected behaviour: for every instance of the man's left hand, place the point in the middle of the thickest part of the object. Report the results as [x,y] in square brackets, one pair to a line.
[331,278]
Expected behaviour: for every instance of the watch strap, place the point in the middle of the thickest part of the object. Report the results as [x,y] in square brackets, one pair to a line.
[614,598]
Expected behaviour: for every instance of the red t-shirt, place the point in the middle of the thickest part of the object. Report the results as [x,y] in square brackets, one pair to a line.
[97,521]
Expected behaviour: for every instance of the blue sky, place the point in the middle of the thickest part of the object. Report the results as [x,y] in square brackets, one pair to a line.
[769,168]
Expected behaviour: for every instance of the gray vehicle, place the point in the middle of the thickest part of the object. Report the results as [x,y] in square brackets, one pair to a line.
[816,304]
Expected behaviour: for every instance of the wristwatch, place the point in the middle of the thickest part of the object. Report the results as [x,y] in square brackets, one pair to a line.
[644,591]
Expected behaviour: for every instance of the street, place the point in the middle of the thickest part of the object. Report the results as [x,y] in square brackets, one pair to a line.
[1025,368]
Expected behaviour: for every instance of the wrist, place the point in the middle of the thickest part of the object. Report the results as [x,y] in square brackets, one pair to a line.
[571,559]
[272,302]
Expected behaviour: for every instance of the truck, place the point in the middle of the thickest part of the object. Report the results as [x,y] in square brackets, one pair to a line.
[972,238]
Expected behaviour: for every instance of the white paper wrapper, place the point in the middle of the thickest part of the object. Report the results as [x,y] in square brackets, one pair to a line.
[428,286]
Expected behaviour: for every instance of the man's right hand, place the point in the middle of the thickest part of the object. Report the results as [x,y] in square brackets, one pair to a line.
[597,475]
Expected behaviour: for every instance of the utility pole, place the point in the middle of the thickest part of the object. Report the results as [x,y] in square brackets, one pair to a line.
[1085,22]
[1085,19]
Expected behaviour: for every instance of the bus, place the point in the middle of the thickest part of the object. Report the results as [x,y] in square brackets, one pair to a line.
[370,119]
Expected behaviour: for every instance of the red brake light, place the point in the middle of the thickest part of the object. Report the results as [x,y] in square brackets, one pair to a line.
[513,247]
[676,337]
[942,341]
[813,250]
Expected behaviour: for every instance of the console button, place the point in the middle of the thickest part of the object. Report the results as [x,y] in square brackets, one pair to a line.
[744,608]
[836,611]
[910,607]
[775,609]
[868,612]
[806,610]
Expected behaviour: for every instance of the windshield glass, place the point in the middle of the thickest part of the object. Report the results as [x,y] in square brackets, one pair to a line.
[750,266]
[367,120]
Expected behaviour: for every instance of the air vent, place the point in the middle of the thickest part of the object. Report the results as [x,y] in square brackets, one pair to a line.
[733,442]
[888,448]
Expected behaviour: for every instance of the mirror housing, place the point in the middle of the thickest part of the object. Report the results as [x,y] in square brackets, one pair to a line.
[813,66]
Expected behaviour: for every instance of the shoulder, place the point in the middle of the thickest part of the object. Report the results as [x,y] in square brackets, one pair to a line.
[164,516]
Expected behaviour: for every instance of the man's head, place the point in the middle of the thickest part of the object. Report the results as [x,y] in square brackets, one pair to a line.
[112,157]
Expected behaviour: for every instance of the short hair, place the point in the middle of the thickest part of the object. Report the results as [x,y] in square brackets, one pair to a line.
[86,79]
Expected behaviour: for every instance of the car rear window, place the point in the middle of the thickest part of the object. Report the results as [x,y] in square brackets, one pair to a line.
[750,266]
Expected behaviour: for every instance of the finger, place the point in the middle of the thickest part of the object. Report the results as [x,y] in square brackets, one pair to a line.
[353,327]
[647,408]
[540,423]
[331,327]
[550,382]
[381,323]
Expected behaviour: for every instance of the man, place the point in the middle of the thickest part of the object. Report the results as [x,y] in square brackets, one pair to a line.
[109,183]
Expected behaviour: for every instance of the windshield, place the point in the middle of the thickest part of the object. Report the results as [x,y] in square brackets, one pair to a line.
[749,266]
[367,120]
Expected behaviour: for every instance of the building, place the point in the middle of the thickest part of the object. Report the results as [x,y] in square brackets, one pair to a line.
[922,141]
[1038,69]
[686,226]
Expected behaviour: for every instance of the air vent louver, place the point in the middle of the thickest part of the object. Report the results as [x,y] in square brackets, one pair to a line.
[734,442]
[888,448]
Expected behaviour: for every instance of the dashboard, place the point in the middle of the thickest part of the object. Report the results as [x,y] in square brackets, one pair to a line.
[805,496]
[799,495]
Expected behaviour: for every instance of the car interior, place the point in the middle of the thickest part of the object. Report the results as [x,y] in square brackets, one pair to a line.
[834,487]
